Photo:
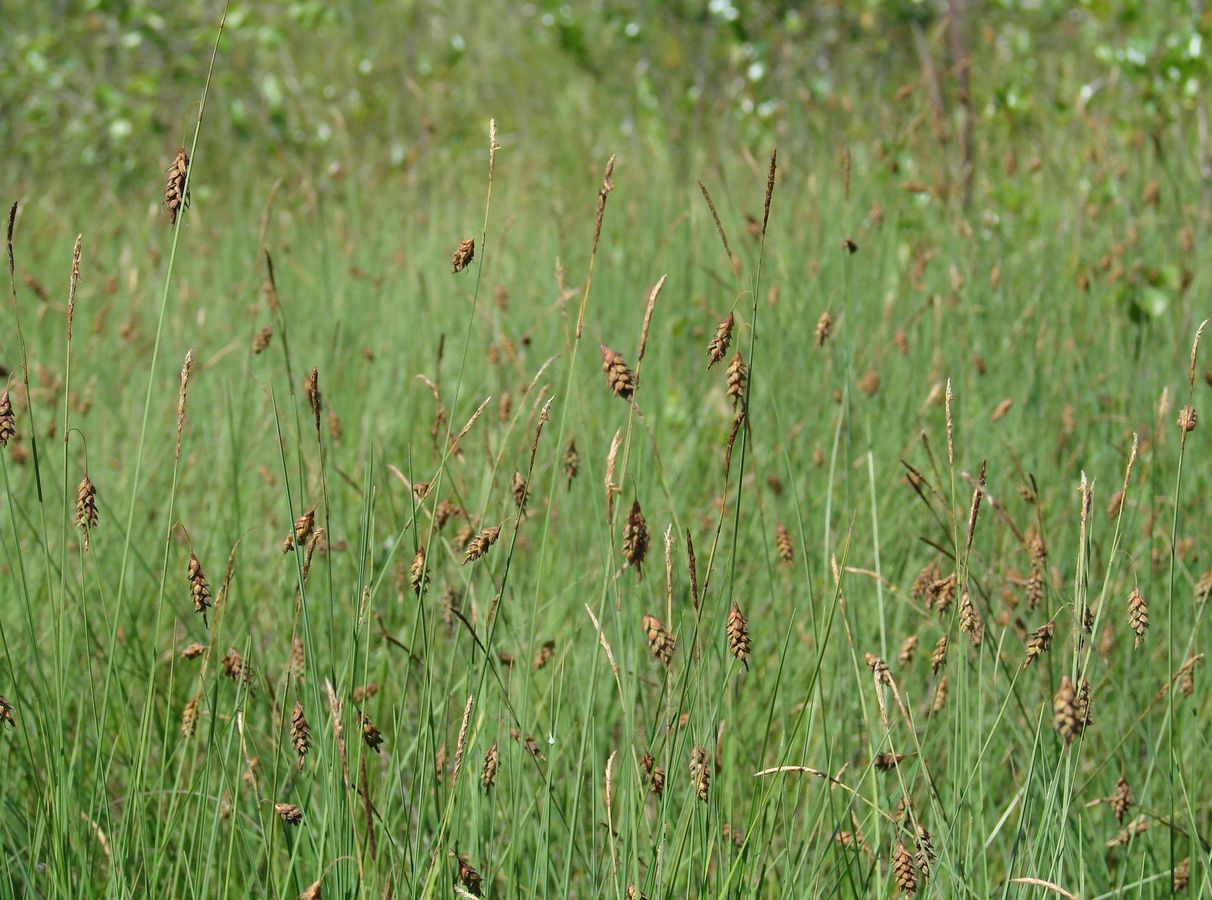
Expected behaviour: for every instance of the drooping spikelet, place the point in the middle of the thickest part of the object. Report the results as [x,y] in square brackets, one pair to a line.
[738,634]
[572,462]
[654,773]
[176,198]
[518,489]
[478,545]
[199,587]
[543,656]
[887,761]
[1067,715]
[311,892]
[908,650]
[700,772]
[1182,876]
[903,870]
[301,532]
[8,422]
[418,575]
[921,584]
[463,255]
[938,657]
[1187,418]
[261,341]
[1137,826]
[737,380]
[635,538]
[364,692]
[618,376]
[824,328]
[289,813]
[470,878]
[661,642]
[941,593]
[193,651]
[492,761]
[970,619]
[235,668]
[782,540]
[300,733]
[1121,799]
[189,717]
[311,387]
[1138,615]
[1038,642]
[371,736]
[86,507]
[719,344]
[924,857]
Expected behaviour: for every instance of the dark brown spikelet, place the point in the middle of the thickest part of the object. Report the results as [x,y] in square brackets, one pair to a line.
[463,256]
[311,387]
[518,489]
[908,650]
[311,892]
[738,635]
[719,344]
[1121,799]
[970,619]
[921,585]
[938,657]
[635,538]
[418,575]
[189,717]
[903,870]
[86,507]
[618,376]
[737,379]
[492,762]
[700,772]
[886,762]
[1038,642]
[8,422]
[1067,715]
[1182,876]
[1138,615]
[478,545]
[654,774]
[782,540]
[941,593]
[543,657]
[371,736]
[301,532]
[572,462]
[290,813]
[824,328]
[300,733]
[261,341]
[470,878]
[176,198]
[199,587]
[661,642]
[235,668]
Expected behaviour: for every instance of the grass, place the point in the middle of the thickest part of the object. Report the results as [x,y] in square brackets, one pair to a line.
[1068,288]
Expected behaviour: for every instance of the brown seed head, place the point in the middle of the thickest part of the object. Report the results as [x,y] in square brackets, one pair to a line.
[1182,876]
[908,650]
[635,538]
[924,857]
[619,378]
[661,642]
[719,344]
[700,772]
[737,380]
[364,692]
[86,507]
[478,545]
[543,656]
[261,341]
[199,587]
[738,635]
[1137,826]
[1038,642]
[189,717]
[824,328]
[492,760]
[311,387]
[418,575]
[193,651]
[970,619]
[289,813]
[782,540]
[300,733]
[311,892]
[1121,799]
[463,256]
[938,658]
[886,762]
[176,197]
[1138,615]
[1067,715]
[903,870]
[1187,418]
[518,489]
[371,736]
[654,773]
[8,422]
[572,462]
[470,878]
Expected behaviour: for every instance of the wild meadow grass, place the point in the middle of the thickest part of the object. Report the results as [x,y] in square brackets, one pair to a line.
[674,520]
